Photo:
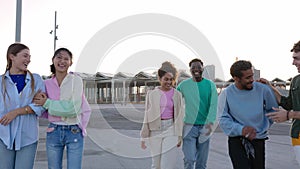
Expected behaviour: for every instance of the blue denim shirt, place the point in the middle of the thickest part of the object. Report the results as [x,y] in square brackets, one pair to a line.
[23,130]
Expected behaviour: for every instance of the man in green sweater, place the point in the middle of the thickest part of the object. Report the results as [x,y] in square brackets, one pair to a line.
[200,96]
[291,104]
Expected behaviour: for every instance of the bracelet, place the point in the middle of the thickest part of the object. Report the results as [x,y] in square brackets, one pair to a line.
[287,115]
[26,110]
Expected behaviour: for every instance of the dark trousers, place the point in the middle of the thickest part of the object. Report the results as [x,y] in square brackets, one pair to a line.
[239,157]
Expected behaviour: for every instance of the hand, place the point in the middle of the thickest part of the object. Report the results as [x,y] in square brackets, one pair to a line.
[7,118]
[40,98]
[179,141]
[37,94]
[143,145]
[278,116]
[264,81]
[249,132]
[209,127]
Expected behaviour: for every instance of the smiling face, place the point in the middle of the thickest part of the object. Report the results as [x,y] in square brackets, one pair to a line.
[167,81]
[246,81]
[62,61]
[196,69]
[20,61]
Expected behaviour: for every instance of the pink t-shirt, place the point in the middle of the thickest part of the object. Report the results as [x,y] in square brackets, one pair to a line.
[167,104]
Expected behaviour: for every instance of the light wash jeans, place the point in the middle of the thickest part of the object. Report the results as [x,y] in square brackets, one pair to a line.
[59,137]
[163,146]
[195,146]
[20,159]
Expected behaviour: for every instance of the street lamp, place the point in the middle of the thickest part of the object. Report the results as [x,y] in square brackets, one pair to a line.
[54,31]
[18,21]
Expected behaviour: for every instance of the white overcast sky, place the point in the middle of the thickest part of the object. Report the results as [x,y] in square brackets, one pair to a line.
[262,31]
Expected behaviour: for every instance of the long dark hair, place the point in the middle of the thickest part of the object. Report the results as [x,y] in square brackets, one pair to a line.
[52,67]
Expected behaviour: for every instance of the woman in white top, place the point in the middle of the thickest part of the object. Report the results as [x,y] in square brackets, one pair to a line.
[68,113]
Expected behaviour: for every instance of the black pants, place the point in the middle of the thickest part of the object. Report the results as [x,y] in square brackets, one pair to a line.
[239,157]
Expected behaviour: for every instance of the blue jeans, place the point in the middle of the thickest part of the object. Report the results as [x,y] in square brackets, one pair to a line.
[20,159]
[59,137]
[195,146]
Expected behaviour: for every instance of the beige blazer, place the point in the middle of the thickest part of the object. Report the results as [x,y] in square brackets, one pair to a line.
[152,117]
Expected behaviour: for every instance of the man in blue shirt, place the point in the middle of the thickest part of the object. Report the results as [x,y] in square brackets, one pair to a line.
[242,113]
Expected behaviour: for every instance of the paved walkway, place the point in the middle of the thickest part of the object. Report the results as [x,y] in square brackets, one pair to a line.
[107,148]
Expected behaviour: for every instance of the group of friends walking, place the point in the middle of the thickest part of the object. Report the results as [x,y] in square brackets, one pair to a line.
[187,113]
[184,114]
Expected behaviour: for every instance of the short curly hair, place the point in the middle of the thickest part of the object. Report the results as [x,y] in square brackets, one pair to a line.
[195,60]
[167,67]
[239,66]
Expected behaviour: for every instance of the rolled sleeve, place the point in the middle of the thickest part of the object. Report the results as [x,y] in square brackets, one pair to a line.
[39,87]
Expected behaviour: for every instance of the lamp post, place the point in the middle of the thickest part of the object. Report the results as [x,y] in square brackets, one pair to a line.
[18,21]
[54,31]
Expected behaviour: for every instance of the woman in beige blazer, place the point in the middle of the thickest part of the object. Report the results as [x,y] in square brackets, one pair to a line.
[163,120]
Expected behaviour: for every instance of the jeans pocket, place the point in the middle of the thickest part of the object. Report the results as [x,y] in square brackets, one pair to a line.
[75,130]
[50,129]
[75,135]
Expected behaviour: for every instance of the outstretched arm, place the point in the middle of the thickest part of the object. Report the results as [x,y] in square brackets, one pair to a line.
[276,92]
[282,115]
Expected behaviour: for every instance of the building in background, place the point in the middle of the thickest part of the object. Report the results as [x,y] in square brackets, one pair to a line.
[209,72]
[124,88]
[256,74]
